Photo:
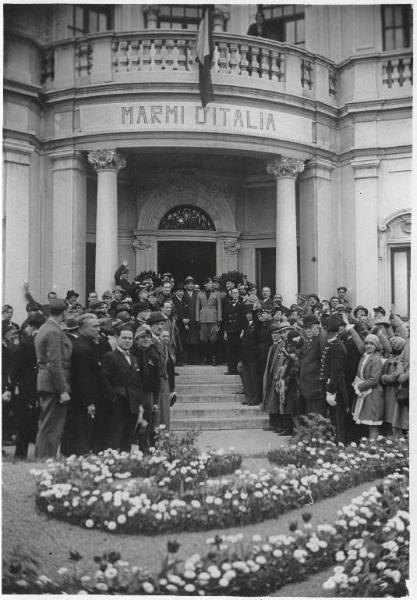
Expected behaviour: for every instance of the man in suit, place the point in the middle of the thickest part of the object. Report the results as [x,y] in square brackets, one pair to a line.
[23,375]
[122,383]
[249,370]
[233,323]
[209,316]
[86,386]
[310,365]
[267,302]
[53,354]
[191,337]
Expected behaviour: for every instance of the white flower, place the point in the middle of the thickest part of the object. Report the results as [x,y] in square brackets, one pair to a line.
[121,519]
[190,588]
[261,560]
[147,587]
[63,571]
[188,574]
[102,587]
[340,556]
[223,582]
[381,565]
[49,508]
[256,538]
[107,496]
[111,525]
[195,504]
[209,500]
[277,553]
[110,572]
[329,585]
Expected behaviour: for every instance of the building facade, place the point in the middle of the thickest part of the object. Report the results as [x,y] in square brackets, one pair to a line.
[298,174]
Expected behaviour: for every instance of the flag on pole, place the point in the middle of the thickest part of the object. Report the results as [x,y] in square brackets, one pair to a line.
[205,49]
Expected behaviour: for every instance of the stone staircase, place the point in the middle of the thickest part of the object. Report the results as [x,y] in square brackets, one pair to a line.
[209,399]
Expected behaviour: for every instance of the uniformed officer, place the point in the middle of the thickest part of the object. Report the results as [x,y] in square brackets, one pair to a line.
[233,324]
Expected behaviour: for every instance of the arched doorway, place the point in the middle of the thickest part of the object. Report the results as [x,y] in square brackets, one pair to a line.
[182,258]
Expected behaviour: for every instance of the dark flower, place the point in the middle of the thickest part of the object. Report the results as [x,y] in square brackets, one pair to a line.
[74,555]
[293,526]
[173,546]
[15,566]
[306,517]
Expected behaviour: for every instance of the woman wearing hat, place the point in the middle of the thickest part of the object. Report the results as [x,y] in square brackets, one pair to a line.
[389,376]
[369,408]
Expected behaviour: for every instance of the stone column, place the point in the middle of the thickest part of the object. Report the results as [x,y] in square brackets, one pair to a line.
[285,171]
[107,164]
[365,172]
[69,221]
[16,224]
[318,266]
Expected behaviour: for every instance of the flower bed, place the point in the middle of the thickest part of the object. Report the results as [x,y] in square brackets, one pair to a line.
[260,567]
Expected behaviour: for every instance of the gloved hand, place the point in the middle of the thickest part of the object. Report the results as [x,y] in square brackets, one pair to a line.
[331,399]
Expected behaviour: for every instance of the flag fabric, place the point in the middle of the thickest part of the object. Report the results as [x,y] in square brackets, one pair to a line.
[205,49]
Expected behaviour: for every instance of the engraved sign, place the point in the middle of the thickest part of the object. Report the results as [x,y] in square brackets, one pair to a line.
[188,116]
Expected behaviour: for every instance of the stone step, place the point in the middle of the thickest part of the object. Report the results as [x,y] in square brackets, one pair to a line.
[199,371]
[208,396]
[208,423]
[184,399]
[224,379]
[221,410]
[198,388]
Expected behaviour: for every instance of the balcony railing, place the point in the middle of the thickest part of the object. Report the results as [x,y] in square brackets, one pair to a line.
[255,64]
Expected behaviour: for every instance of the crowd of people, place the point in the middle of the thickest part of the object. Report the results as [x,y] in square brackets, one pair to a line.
[80,379]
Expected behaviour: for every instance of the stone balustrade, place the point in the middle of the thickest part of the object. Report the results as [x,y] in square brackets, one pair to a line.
[170,57]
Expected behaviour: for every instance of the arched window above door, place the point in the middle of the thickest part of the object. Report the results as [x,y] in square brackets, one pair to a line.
[187,217]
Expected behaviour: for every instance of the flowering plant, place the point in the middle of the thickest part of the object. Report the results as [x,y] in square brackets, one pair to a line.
[122,492]
[261,566]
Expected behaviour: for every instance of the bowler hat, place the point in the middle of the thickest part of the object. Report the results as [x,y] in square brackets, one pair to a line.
[397,343]
[156,317]
[310,320]
[31,306]
[294,336]
[36,319]
[334,322]
[71,293]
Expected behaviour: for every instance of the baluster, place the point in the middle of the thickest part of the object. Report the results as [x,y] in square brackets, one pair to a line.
[223,67]
[83,56]
[123,58]
[395,71]
[234,60]
[282,65]
[408,70]
[146,55]
[157,55]
[386,74]
[133,55]
[182,55]
[190,54]
[244,63]
[264,68]
[254,62]
[115,61]
[274,65]
[216,59]
[167,55]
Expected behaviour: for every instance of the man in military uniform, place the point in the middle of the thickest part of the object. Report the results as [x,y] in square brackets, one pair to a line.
[233,323]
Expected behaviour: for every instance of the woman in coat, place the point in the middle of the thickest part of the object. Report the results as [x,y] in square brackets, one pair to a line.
[389,381]
[369,408]
[401,411]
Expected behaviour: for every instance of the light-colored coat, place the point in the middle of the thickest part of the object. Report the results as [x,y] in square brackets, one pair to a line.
[53,354]
[208,310]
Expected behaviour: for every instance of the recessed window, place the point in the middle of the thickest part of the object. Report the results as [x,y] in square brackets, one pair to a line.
[179,16]
[187,217]
[397,26]
[92,18]
[284,23]
[400,279]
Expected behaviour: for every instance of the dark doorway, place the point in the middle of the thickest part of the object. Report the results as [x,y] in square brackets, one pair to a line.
[265,267]
[90,273]
[187,258]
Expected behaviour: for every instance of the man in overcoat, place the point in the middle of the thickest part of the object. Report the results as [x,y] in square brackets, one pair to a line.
[191,334]
[310,365]
[53,354]
[86,386]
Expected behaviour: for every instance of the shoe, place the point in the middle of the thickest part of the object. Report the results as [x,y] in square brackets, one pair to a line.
[245,403]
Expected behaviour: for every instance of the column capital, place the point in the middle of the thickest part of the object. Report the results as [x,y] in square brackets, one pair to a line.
[107,160]
[285,167]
